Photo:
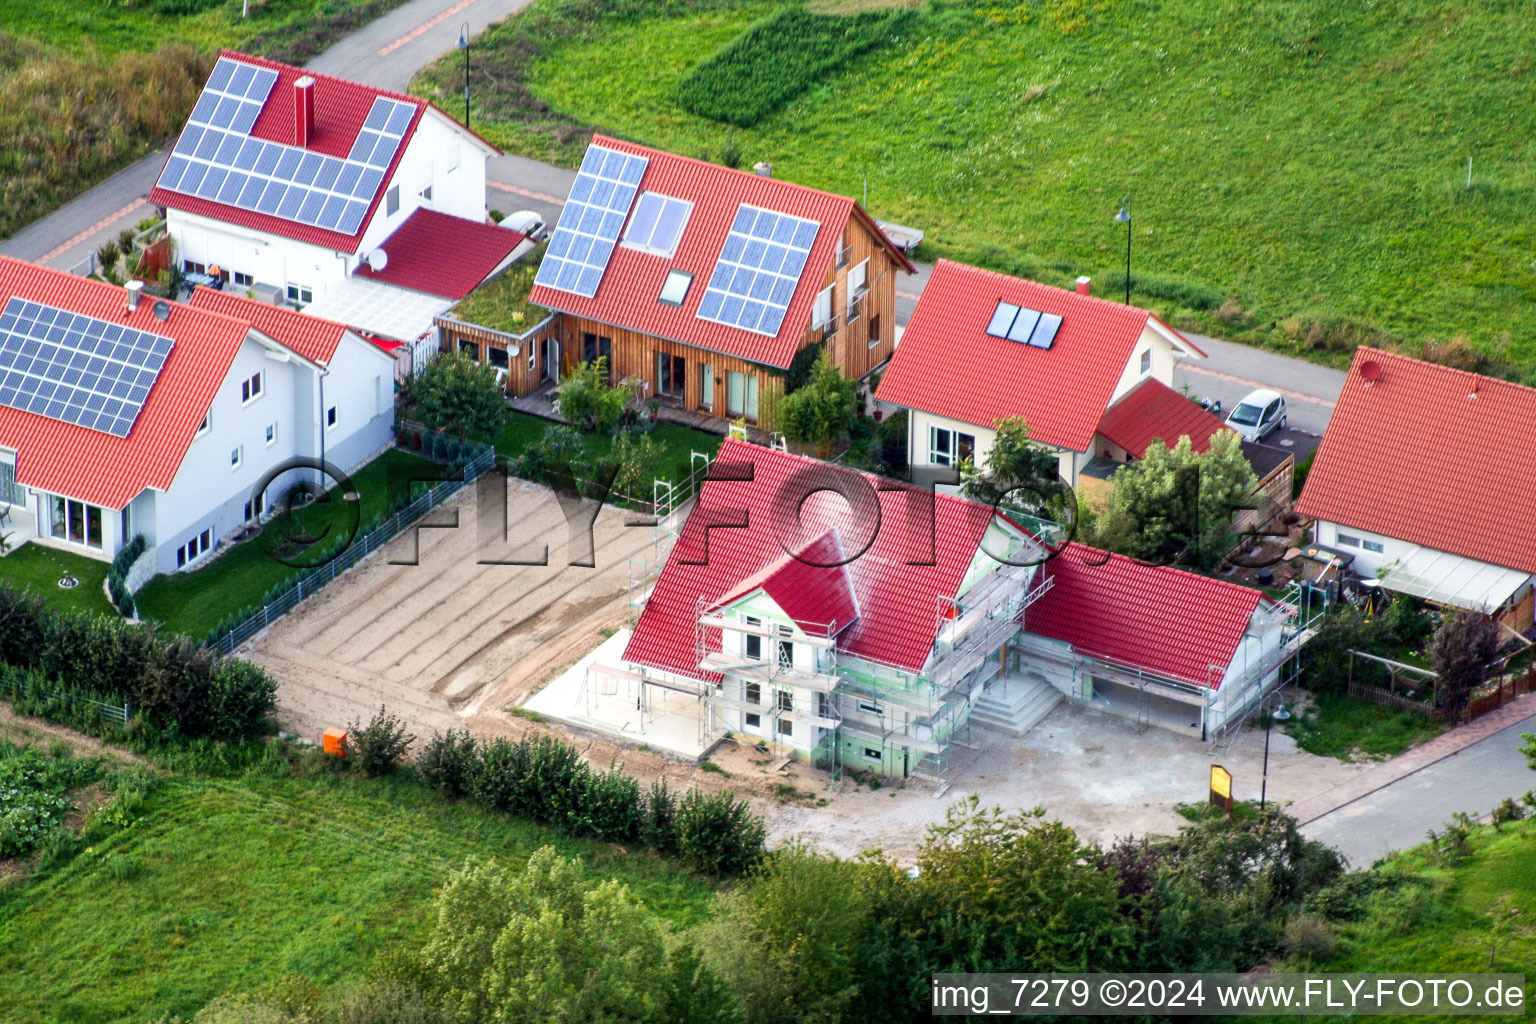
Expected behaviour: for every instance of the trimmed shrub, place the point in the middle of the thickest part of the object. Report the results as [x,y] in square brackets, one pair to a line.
[449,761]
[719,834]
[376,749]
[611,807]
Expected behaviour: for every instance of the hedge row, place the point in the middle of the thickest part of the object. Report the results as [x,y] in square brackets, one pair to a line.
[117,576]
[168,679]
[545,779]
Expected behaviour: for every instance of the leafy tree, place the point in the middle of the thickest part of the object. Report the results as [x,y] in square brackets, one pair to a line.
[1175,504]
[822,409]
[553,455]
[1018,474]
[550,944]
[588,401]
[634,458]
[1017,889]
[1462,653]
[457,394]
[376,749]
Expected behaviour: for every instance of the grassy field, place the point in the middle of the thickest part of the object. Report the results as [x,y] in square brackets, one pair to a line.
[677,443]
[195,602]
[88,86]
[38,569]
[267,883]
[1298,167]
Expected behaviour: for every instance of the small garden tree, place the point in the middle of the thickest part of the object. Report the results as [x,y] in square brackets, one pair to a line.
[457,394]
[1017,473]
[588,401]
[1176,504]
[1462,652]
[822,409]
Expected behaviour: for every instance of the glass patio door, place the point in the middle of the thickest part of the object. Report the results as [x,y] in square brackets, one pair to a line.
[10,491]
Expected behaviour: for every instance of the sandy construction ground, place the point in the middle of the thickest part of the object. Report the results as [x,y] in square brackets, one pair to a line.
[448,640]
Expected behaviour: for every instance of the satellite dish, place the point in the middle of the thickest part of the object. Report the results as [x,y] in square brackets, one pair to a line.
[378,260]
[1371,371]
[162,310]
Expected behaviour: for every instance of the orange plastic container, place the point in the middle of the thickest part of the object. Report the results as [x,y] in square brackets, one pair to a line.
[334,742]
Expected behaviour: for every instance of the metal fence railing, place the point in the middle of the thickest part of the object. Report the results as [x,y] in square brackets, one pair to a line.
[314,580]
[115,712]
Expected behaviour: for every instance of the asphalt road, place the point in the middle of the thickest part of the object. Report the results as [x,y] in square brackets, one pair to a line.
[1397,817]
[389,51]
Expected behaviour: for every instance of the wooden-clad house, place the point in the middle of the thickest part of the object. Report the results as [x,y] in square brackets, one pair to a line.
[699,284]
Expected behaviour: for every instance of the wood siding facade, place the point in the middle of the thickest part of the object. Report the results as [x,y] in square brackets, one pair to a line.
[860,337]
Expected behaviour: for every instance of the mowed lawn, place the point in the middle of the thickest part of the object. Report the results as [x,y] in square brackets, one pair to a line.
[38,569]
[257,885]
[239,578]
[1305,158]
[677,442]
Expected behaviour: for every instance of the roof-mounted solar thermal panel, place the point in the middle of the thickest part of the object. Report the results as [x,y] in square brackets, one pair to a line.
[221,163]
[1002,319]
[657,223]
[77,369]
[1023,324]
[591,220]
[758,270]
[1044,334]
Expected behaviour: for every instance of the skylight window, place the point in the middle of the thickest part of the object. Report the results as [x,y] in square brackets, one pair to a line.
[1024,325]
[657,223]
[675,288]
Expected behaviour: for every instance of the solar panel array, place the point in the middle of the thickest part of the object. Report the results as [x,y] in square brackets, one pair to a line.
[216,158]
[76,369]
[591,220]
[1024,325]
[759,267]
[658,222]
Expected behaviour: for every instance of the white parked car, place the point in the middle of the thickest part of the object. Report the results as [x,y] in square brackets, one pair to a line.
[1257,415]
[525,222]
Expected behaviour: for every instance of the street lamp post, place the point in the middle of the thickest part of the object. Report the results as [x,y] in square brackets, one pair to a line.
[464,45]
[1124,217]
[1277,715]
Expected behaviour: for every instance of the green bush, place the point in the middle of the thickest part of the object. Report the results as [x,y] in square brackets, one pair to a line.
[448,762]
[718,833]
[611,807]
[170,681]
[780,57]
[378,748]
[128,555]
[34,796]
[659,826]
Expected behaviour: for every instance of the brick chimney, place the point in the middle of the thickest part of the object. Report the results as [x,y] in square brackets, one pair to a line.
[303,111]
[1085,286]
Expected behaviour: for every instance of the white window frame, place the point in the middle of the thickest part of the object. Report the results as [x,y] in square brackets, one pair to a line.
[1375,547]
[271,434]
[1146,361]
[205,426]
[1348,540]
[253,387]
[70,505]
[392,201]
[857,291]
[951,457]
[671,294]
[331,418]
[302,294]
[249,279]
[821,312]
[682,228]
[236,457]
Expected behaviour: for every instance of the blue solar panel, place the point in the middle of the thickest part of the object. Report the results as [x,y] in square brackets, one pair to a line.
[216,159]
[757,272]
[75,368]
[591,220]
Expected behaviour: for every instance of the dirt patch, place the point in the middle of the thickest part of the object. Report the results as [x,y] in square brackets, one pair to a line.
[39,733]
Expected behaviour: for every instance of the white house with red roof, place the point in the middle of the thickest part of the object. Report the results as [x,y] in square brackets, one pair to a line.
[1155,644]
[1092,378]
[700,283]
[1422,482]
[124,415]
[291,185]
[861,632]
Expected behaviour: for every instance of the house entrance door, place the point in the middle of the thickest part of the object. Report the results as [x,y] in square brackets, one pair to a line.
[552,359]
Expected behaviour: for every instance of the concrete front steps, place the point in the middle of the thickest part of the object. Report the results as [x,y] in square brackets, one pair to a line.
[1016,705]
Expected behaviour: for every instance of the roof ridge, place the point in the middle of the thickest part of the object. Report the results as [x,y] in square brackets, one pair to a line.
[1439,368]
[600,139]
[1072,293]
[107,289]
[1075,547]
[267,62]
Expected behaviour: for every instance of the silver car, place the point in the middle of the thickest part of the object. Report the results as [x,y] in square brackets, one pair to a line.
[1258,415]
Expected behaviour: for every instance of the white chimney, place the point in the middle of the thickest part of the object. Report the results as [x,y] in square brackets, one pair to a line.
[1085,286]
[134,290]
[763,169]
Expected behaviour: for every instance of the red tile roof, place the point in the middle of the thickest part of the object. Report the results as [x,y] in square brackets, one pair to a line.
[341,107]
[1154,411]
[99,468]
[947,364]
[311,337]
[627,296]
[898,603]
[1413,456]
[443,255]
[810,586]
[1165,621]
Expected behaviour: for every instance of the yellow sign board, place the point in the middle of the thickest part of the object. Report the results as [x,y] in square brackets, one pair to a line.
[1221,782]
